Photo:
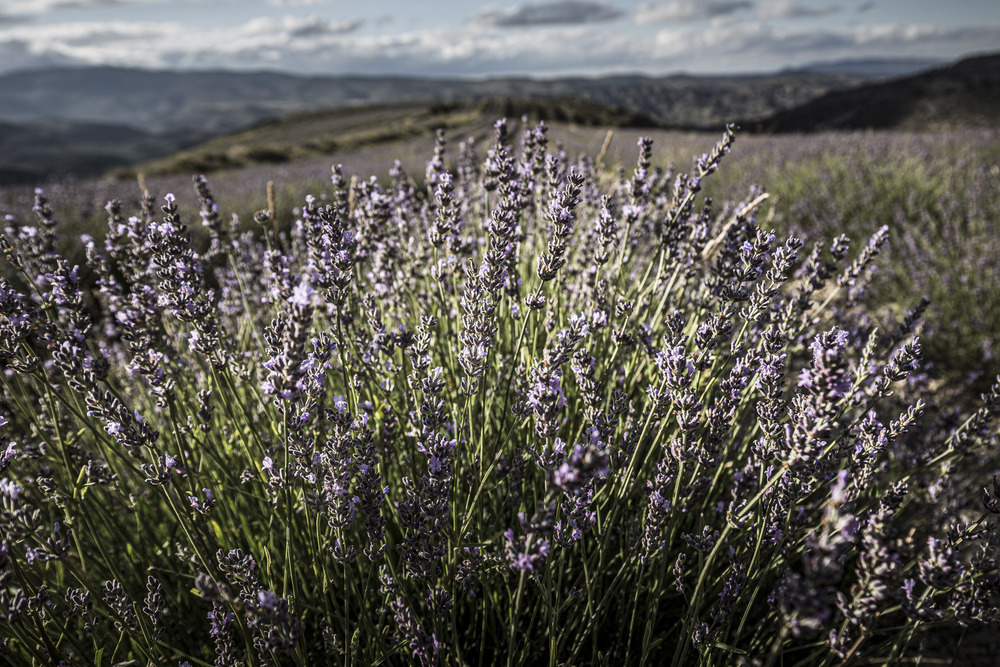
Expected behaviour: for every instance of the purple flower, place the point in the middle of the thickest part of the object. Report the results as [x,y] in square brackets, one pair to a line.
[32,554]
[584,464]
[302,294]
[9,489]
[267,600]
[8,455]
[525,554]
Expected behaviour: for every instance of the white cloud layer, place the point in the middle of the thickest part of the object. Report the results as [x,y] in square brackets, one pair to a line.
[774,46]
[321,45]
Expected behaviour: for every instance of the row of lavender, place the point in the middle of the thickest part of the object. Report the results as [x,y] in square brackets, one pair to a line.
[938,193]
[523,412]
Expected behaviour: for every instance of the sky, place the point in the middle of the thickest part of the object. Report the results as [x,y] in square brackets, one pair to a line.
[476,39]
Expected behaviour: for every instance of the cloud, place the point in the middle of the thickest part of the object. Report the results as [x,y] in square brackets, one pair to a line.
[8,19]
[17,54]
[479,51]
[770,46]
[469,50]
[683,11]
[865,6]
[562,12]
[314,27]
[261,42]
[781,9]
[317,46]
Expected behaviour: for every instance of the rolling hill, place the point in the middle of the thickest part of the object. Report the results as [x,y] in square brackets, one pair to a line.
[965,94]
[317,133]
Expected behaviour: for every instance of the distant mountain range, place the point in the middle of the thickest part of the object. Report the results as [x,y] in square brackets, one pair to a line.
[871,68]
[164,101]
[965,94]
[86,121]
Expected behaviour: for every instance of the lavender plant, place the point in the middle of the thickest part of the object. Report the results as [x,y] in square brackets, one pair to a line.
[527,412]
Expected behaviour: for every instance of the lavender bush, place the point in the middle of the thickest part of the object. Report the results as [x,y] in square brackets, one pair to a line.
[520,413]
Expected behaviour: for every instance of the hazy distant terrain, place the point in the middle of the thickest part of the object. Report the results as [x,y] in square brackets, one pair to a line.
[157,101]
[31,150]
[161,112]
[966,94]
[88,121]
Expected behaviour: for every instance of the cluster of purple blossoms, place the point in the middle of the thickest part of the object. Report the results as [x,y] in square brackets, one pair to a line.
[545,394]
[182,283]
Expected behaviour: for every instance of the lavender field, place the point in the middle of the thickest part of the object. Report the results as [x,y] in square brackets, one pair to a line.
[552,396]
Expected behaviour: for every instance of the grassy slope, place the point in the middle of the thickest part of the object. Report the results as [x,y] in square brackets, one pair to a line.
[323,133]
[966,94]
